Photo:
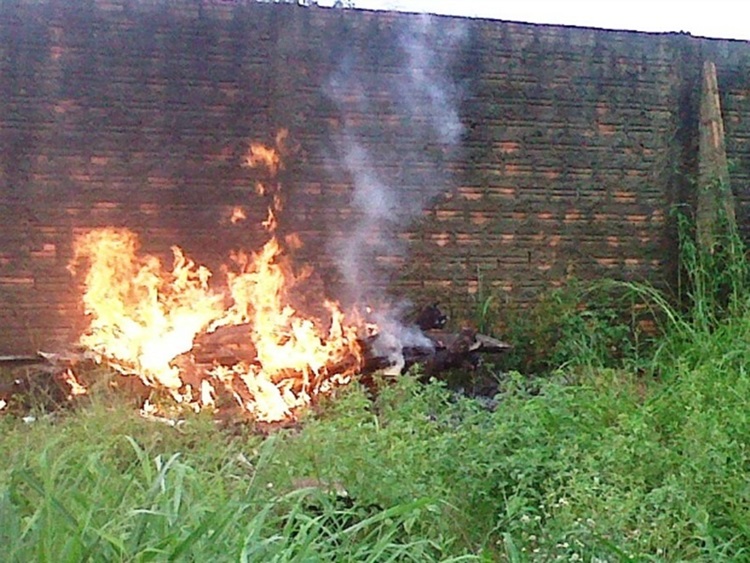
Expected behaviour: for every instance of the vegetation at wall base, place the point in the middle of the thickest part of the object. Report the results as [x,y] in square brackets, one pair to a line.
[641,455]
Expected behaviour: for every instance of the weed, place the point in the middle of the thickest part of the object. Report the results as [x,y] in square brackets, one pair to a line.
[583,324]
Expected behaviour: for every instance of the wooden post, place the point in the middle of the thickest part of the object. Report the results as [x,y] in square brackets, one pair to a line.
[714,193]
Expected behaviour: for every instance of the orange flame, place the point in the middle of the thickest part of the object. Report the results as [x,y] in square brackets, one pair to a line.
[238,214]
[143,316]
[270,223]
[296,359]
[260,155]
[76,387]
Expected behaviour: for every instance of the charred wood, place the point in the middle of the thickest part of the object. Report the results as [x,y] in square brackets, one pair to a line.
[442,351]
[431,317]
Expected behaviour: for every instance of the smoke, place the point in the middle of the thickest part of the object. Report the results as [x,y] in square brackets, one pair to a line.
[428,87]
[400,127]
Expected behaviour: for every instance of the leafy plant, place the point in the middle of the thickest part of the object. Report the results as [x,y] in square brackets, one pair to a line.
[593,324]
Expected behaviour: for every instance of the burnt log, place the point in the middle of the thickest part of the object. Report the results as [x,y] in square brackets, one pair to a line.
[442,350]
[427,344]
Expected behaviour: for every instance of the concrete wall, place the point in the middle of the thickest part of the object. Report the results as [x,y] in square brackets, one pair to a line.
[575,143]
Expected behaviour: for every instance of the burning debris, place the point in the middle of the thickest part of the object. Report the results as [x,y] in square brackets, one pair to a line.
[222,371]
[431,346]
[174,331]
[240,346]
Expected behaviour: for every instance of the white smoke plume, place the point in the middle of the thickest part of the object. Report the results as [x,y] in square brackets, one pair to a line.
[395,162]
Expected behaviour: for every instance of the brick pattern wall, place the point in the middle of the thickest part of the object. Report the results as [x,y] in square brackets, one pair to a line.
[568,133]
[733,62]
[138,113]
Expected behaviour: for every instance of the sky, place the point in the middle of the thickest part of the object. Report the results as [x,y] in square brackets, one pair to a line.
[724,19]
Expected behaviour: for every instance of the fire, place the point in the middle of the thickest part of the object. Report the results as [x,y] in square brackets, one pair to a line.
[295,358]
[76,387]
[268,157]
[238,214]
[144,316]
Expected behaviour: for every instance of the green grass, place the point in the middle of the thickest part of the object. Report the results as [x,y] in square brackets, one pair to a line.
[607,467]
[640,456]
[103,485]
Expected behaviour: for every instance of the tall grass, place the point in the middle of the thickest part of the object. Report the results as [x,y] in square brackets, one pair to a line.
[610,463]
[102,485]
[710,320]
[604,469]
